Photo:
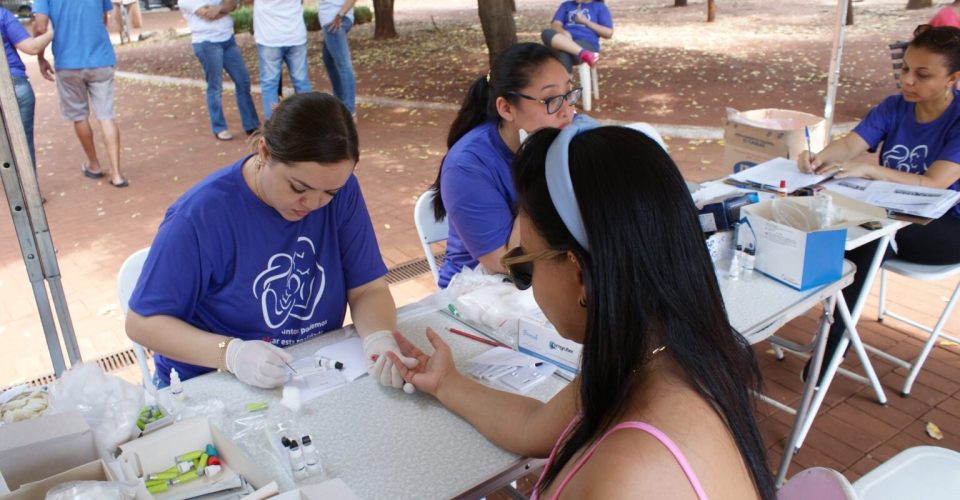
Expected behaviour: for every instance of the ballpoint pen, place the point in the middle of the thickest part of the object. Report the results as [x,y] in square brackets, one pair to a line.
[806,132]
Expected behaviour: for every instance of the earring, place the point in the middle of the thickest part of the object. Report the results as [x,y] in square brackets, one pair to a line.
[582,301]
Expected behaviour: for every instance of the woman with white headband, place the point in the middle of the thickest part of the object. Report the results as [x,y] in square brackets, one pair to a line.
[611,243]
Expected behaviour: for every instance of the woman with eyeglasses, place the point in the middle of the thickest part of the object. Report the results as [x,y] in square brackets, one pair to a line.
[267,253]
[611,243]
[527,89]
[918,134]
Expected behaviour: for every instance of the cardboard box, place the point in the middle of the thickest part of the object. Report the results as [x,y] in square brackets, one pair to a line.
[38,448]
[753,137]
[155,452]
[800,258]
[331,488]
[91,471]
[540,339]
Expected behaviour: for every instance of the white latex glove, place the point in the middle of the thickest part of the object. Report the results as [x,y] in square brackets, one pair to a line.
[376,345]
[258,363]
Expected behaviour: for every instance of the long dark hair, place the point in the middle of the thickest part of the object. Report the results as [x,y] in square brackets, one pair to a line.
[510,73]
[943,40]
[310,127]
[649,283]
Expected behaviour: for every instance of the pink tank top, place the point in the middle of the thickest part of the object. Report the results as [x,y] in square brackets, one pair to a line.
[649,429]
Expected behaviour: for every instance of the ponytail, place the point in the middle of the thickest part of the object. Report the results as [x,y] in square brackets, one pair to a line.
[510,73]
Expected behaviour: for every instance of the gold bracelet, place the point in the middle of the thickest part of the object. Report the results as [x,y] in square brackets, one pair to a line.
[222,356]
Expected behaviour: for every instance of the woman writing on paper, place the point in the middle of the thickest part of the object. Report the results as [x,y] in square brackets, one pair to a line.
[266,253]
[612,245]
[918,134]
[527,89]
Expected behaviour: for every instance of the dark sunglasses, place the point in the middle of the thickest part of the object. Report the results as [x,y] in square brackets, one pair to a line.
[519,265]
[939,35]
[554,103]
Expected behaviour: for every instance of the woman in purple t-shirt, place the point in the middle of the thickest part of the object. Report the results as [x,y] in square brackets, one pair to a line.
[918,133]
[526,90]
[576,30]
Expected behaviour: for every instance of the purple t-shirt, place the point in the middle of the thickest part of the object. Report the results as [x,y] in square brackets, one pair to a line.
[909,146]
[593,11]
[12,33]
[476,186]
[227,263]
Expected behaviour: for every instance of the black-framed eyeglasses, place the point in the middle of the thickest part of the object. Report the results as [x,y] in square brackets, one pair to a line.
[939,35]
[520,265]
[554,103]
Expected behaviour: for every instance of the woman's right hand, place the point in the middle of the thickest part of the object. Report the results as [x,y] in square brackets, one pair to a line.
[258,363]
[807,162]
[430,371]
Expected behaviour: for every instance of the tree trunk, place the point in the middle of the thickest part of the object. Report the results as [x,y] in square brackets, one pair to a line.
[383,20]
[679,3]
[499,29]
[849,12]
[919,4]
[711,11]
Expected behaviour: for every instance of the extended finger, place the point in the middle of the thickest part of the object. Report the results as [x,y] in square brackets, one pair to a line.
[406,348]
[435,340]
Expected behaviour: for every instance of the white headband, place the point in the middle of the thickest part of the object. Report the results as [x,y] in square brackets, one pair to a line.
[559,185]
[557,171]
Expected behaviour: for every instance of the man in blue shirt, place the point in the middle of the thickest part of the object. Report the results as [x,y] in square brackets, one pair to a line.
[15,37]
[84,62]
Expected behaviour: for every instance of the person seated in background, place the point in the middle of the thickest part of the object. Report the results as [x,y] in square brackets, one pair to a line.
[527,89]
[612,245]
[918,134]
[267,253]
[576,30]
[948,16]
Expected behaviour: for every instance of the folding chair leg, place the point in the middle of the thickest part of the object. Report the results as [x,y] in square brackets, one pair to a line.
[882,309]
[595,82]
[584,76]
[928,346]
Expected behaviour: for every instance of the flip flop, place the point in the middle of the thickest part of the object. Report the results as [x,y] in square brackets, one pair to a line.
[92,175]
[121,185]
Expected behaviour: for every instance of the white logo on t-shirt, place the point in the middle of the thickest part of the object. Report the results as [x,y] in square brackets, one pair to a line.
[291,285]
[903,159]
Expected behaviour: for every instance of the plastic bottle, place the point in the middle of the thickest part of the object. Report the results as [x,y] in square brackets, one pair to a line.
[297,463]
[749,260]
[176,387]
[734,271]
[311,455]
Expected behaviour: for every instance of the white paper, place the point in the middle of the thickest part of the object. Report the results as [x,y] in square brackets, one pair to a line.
[901,198]
[312,381]
[501,356]
[350,353]
[768,175]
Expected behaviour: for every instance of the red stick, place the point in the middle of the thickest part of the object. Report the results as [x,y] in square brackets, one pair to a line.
[478,339]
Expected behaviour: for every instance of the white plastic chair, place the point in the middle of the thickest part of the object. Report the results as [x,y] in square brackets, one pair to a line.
[820,483]
[126,281]
[927,472]
[590,83]
[429,229]
[923,273]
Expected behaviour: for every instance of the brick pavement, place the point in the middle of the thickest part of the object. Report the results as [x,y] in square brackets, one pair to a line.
[167,148]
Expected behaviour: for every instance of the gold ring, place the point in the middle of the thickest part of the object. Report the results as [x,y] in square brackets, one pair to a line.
[840,169]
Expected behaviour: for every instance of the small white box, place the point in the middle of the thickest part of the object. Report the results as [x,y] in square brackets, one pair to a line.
[32,450]
[90,471]
[799,258]
[540,339]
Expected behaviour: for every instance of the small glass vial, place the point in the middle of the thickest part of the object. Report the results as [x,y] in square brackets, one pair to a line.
[311,456]
[749,260]
[734,271]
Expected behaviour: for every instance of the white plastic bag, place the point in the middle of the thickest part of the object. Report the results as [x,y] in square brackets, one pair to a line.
[109,404]
[93,490]
[489,303]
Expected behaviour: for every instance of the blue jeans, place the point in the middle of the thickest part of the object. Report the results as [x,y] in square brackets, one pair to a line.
[336,59]
[27,103]
[216,57]
[271,66]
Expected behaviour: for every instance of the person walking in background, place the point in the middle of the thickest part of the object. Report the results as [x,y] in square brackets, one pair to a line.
[85,67]
[336,17]
[212,30]
[15,37]
[576,30]
[281,36]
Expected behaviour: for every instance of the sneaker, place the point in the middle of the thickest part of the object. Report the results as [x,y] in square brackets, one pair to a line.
[589,57]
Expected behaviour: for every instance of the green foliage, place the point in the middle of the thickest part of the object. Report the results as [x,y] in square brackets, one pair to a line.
[362,15]
[242,20]
[310,19]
